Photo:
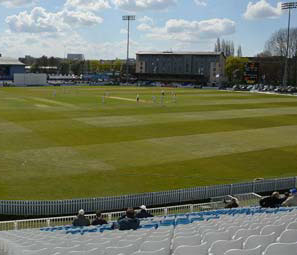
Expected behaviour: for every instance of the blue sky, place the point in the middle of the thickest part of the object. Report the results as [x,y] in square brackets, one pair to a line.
[95,27]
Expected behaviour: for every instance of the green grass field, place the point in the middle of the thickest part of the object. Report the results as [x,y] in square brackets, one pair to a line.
[58,143]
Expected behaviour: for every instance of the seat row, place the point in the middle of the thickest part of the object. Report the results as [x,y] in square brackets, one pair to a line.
[252,232]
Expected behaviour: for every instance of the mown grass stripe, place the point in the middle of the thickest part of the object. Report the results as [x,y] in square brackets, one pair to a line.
[136,120]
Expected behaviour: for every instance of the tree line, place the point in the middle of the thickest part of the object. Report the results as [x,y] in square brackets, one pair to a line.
[51,65]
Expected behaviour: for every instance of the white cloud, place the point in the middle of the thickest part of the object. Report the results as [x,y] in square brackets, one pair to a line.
[193,31]
[16,3]
[78,18]
[146,20]
[37,45]
[89,5]
[200,2]
[144,27]
[262,9]
[146,24]
[142,5]
[41,21]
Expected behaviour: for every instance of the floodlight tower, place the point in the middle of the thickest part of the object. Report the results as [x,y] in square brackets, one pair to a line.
[128,18]
[288,6]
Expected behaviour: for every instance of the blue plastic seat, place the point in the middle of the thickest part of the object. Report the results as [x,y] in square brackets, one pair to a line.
[182,221]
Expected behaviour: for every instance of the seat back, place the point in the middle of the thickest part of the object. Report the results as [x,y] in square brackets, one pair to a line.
[256,240]
[232,230]
[136,242]
[215,236]
[281,248]
[127,250]
[278,229]
[189,240]
[288,236]
[292,225]
[158,252]
[155,245]
[255,251]
[221,246]
[191,250]
[246,233]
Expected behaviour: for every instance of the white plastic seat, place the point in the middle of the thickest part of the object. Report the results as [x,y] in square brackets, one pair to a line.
[203,229]
[185,233]
[43,251]
[277,229]
[185,228]
[288,236]
[158,252]
[126,250]
[281,249]
[189,240]
[215,236]
[256,240]
[95,251]
[135,242]
[164,230]
[292,225]
[65,249]
[256,225]
[221,246]
[246,233]
[192,250]
[155,245]
[255,251]
[154,238]
[232,230]
[99,245]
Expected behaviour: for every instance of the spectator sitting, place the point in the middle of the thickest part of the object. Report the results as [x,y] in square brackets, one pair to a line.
[129,222]
[143,213]
[284,197]
[81,219]
[99,220]
[291,200]
[233,203]
[272,201]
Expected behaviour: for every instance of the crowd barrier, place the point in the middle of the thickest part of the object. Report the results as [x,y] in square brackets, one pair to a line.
[181,196]
[250,199]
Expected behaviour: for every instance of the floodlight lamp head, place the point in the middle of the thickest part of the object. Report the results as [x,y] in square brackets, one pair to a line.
[289,5]
[129,17]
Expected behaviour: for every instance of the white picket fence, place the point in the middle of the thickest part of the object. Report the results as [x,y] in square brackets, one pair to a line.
[250,199]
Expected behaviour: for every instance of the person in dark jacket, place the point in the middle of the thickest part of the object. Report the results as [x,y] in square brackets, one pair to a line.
[129,222]
[143,213]
[284,197]
[81,219]
[233,203]
[272,201]
[99,220]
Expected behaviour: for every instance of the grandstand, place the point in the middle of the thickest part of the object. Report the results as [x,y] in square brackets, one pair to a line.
[247,230]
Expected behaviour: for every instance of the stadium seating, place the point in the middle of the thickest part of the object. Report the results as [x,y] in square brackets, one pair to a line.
[240,231]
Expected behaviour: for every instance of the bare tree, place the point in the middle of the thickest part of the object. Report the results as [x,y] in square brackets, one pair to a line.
[239,51]
[227,47]
[277,43]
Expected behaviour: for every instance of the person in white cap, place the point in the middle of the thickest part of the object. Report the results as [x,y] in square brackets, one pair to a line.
[291,200]
[143,213]
[81,219]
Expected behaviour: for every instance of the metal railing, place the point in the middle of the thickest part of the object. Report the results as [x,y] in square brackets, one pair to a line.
[245,199]
[181,196]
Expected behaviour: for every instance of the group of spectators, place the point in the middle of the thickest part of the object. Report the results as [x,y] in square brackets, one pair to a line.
[276,200]
[273,201]
[130,220]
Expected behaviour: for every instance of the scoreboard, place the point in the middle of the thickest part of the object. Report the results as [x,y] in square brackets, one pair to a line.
[251,72]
